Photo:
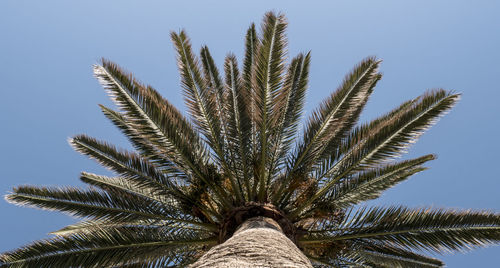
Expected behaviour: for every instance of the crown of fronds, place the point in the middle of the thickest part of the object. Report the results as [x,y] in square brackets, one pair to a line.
[173,197]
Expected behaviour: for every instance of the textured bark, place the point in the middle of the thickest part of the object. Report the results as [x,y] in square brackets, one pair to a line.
[258,242]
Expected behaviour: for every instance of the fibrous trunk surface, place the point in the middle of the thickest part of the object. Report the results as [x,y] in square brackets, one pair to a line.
[258,242]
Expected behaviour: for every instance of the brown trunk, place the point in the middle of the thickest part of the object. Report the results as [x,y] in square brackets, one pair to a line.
[258,242]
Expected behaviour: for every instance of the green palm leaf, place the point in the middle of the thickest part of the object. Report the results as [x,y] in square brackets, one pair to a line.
[436,230]
[343,261]
[267,80]
[359,134]
[91,203]
[153,117]
[141,143]
[157,119]
[336,114]
[227,151]
[122,162]
[370,184]
[239,123]
[386,256]
[108,247]
[252,45]
[176,201]
[214,83]
[291,100]
[124,184]
[388,139]
[201,100]
[389,136]
[329,124]
[90,226]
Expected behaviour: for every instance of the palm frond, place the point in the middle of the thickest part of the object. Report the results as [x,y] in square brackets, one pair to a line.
[90,203]
[124,163]
[290,100]
[199,99]
[387,256]
[92,225]
[336,114]
[239,122]
[437,230]
[109,247]
[214,83]
[370,184]
[388,139]
[266,81]
[161,122]
[330,123]
[252,44]
[125,184]
[202,105]
[358,136]
[155,118]
[140,177]
[345,260]
[141,144]
[178,205]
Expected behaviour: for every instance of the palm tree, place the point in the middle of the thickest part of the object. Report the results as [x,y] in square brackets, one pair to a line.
[231,187]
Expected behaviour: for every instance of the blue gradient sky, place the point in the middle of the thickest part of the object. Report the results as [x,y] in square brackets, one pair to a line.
[48,92]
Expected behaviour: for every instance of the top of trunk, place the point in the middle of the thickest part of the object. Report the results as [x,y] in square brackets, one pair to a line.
[236,217]
[258,242]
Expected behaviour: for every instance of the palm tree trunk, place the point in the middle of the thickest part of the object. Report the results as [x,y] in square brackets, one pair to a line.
[258,242]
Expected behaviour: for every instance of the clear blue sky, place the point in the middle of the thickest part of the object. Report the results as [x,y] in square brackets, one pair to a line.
[48,92]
